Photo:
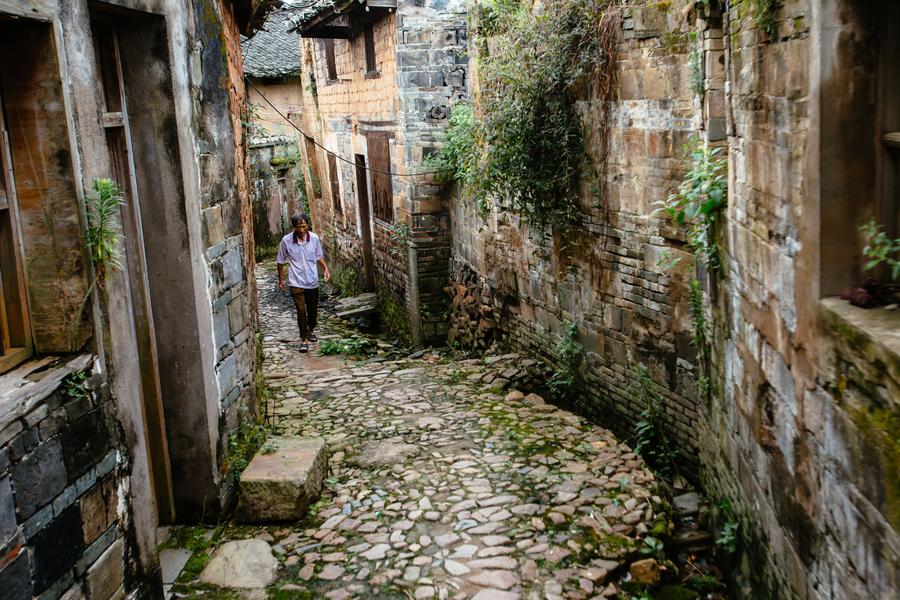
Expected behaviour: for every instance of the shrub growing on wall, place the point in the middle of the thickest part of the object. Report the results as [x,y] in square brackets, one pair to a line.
[526,147]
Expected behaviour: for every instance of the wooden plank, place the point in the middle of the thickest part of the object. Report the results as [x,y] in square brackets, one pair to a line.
[892,139]
[334,32]
[381,3]
[335,187]
[380,164]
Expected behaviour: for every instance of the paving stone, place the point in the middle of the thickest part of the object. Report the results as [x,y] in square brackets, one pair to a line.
[171,562]
[428,490]
[494,579]
[241,564]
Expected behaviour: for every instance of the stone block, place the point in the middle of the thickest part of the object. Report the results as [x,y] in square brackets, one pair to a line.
[15,579]
[232,268]
[38,478]
[279,485]
[84,443]
[56,548]
[98,510]
[221,328]
[106,575]
[244,564]
[7,512]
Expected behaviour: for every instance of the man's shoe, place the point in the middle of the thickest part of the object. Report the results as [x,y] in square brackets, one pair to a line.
[304,347]
[313,338]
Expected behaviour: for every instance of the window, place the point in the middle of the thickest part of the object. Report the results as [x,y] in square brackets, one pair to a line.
[330,63]
[313,166]
[15,340]
[335,188]
[380,164]
[369,41]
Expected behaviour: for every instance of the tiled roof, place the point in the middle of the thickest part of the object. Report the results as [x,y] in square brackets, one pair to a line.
[301,11]
[274,51]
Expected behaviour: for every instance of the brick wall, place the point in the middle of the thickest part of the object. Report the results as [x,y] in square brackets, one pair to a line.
[63,476]
[797,430]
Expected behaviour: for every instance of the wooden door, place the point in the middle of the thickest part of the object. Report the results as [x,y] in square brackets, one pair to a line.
[118,138]
[15,338]
[365,222]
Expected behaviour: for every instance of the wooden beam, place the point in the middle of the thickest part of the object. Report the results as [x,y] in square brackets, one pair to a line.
[381,3]
[336,32]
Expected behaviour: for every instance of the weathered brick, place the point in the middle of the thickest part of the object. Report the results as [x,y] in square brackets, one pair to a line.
[56,548]
[15,578]
[38,478]
[85,442]
[98,510]
[106,575]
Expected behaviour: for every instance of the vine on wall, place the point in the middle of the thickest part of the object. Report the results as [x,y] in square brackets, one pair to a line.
[525,145]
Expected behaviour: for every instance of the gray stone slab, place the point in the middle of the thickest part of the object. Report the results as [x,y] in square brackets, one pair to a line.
[244,564]
[282,480]
[171,562]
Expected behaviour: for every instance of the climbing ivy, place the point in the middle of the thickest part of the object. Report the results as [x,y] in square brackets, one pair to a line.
[526,146]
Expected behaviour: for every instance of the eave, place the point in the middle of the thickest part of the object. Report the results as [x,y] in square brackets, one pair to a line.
[334,21]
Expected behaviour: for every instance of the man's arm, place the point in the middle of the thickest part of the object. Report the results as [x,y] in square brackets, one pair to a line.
[280,275]
[326,274]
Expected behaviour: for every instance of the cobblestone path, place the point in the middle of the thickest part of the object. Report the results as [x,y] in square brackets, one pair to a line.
[443,484]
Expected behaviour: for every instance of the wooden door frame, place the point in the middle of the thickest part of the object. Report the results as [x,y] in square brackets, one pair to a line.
[365,221]
[139,287]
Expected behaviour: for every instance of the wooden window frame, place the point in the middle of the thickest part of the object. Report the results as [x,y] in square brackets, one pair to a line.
[330,61]
[369,49]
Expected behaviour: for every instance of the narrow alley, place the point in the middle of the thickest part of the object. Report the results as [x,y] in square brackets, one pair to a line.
[443,482]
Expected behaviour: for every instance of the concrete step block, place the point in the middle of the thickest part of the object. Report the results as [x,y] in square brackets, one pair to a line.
[282,480]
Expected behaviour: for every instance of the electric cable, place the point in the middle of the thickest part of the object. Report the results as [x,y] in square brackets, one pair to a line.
[337,156]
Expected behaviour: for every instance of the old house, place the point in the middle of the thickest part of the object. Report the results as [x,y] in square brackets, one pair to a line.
[380,77]
[272,68]
[126,328]
[782,397]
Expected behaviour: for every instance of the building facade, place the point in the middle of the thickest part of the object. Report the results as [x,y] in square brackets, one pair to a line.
[380,80]
[797,423]
[127,331]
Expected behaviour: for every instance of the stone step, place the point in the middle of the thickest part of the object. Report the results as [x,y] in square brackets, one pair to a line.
[282,480]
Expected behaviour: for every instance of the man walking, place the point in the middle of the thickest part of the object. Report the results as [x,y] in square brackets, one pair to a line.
[302,251]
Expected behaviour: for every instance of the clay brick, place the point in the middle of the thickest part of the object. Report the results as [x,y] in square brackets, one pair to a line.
[98,510]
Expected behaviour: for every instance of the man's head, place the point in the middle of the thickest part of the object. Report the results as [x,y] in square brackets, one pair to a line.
[300,223]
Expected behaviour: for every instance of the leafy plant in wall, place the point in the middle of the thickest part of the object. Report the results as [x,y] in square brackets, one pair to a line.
[569,353]
[102,237]
[650,438]
[399,234]
[526,147]
[701,196]
[880,249]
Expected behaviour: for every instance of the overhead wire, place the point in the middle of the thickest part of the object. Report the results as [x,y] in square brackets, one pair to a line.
[329,152]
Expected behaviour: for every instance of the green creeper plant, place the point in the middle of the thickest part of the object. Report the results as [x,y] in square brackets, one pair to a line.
[650,438]
[526,146]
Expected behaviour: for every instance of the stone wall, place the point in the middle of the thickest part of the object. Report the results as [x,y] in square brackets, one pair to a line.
[87,476]
[273,188]
[64,472]
[796,430]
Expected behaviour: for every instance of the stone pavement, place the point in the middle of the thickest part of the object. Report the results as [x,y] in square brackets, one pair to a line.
[443,484]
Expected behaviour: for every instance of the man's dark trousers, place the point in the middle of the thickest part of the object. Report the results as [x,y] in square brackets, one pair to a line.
[307,303]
